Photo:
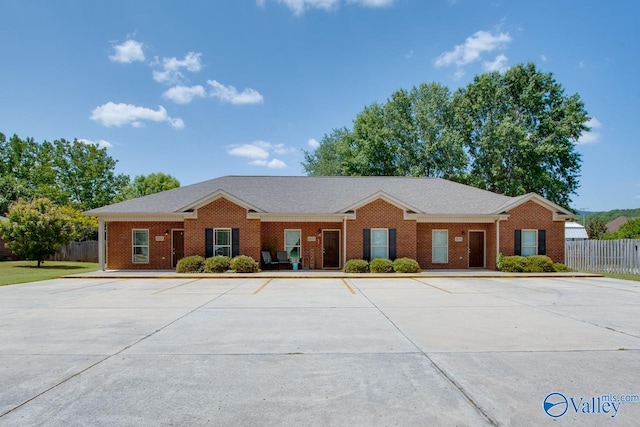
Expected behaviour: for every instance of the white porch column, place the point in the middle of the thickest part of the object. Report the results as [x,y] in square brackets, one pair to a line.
[101,245]
[344,241]
[497,238]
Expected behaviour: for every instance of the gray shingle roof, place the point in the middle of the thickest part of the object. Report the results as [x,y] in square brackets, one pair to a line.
[319,195]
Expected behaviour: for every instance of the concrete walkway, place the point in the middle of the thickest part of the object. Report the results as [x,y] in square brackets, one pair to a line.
[319,274]
[263,351]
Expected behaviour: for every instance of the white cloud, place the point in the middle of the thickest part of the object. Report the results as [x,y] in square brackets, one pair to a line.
[582,64]
[170,71]
[112,114]
[260,152]
[252,151]
[543,57]
[231,94]
[184,94]
[498,64]
[592,136]
[129,51]
[273,164]
[472,50]
[298,7]
[101,143]
[409,54]
[313,143]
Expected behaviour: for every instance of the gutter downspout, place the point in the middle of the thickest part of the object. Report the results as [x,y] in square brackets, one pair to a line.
[101,245]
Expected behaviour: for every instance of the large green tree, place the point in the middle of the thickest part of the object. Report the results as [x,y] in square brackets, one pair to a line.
[68,173]
[409,135]
[36,230]
[143,185]
[520,130]
[512,133]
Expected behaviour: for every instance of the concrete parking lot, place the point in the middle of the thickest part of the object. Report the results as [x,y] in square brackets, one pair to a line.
[320,351]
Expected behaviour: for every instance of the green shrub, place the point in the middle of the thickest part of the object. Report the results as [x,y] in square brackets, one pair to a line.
[217,264]
[381,265]
[513,264]
[406,265]
[538,264]
[356,266]
[560,268]
[190,264]
[244,264]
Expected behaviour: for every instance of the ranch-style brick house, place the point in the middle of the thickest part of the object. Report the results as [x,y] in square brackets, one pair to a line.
[326,221]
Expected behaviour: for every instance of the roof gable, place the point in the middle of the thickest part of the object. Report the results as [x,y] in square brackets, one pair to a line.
[558,211]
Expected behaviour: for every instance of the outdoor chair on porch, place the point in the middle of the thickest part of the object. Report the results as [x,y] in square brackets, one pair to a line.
[283,260]
[267,262]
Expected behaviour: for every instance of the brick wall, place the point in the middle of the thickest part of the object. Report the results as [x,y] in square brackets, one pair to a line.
[531,215]
[458,251]
[311,252]
[413,240]
[381,214]
[119,245]
[221,213]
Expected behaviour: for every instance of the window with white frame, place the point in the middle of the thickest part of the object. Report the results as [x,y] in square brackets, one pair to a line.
[440,246]
[379,243]
[222,241]
[140,246]
[292,245]
[529,245]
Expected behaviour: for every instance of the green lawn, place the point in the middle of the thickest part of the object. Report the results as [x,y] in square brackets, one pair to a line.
[635,277]
[12,272]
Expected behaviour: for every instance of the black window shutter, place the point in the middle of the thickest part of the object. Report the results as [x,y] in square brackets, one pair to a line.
[208,242]
[392,244]
[366,244]
[542,242]
[235,242]
[517,240]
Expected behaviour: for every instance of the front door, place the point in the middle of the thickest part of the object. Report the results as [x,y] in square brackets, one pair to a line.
[177,246]
[330,249]
[476,249]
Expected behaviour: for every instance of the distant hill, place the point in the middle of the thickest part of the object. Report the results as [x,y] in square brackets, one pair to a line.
[611,215]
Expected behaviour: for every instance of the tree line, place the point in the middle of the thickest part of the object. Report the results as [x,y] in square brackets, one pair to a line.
[69,173]
[44,187]
[511,133]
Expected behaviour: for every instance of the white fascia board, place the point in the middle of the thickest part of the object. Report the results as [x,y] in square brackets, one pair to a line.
[273,217]
[146,217]
[456,218]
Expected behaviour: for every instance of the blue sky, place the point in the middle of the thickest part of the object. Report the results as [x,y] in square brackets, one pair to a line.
[203,89]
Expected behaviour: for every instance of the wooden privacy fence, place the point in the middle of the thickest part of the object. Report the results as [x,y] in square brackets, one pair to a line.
[609,256]
[78,251]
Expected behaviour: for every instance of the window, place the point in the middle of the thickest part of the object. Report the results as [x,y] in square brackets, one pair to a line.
[140,246]
[440,246]
[529,242]
[222,242]
[379,243]
[292,244]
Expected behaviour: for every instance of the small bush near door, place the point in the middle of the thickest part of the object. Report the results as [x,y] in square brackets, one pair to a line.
[406,265]
[217,264]
[190,264]
[530,264]
[356,266]
[381,265]
[244,264]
